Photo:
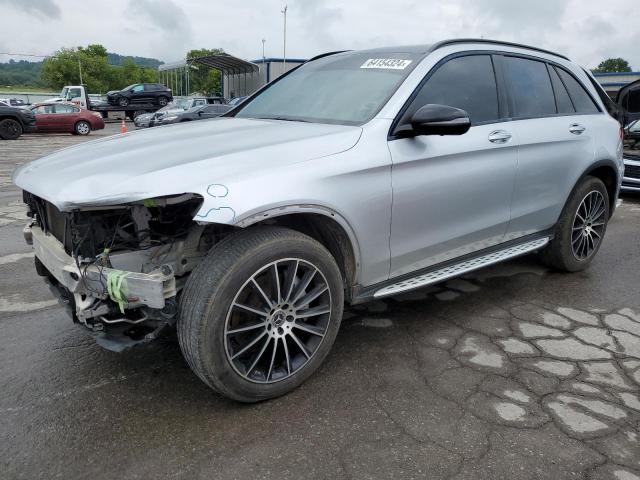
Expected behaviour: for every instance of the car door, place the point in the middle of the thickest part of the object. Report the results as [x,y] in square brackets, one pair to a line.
[138,94]
[44,117]
[555,135]
[452,194]
[63,118]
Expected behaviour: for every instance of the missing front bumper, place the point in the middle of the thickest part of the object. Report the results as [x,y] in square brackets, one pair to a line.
[88,285]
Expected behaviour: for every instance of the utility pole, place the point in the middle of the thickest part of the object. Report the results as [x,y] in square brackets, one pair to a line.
[263,57]
[284,45]
[80,70]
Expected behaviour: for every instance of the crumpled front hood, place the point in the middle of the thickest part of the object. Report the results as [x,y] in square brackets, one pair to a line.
[182,158]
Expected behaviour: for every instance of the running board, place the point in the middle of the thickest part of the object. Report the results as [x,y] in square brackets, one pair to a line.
[460,268]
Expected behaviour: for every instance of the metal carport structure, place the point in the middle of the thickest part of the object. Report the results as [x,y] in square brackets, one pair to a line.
[243,75]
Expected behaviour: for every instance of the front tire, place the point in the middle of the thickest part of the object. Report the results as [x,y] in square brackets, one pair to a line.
[10,129]
[82,128]
[580,229]
[123,102]
[260,313]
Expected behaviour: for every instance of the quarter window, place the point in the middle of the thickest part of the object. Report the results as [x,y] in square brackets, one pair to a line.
[530,87]
[581,99]
[466,82]
[563,100]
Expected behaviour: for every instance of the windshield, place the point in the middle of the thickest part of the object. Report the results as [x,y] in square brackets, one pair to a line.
[129,87]
[347,89]
[181,103]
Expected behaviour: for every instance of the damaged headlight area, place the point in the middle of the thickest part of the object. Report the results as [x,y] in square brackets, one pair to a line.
[120,269]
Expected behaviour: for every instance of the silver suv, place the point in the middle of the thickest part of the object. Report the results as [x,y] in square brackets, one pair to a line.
[358,175]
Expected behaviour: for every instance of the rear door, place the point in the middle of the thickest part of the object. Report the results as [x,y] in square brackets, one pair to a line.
[553,121]
[64,118]
[452,194]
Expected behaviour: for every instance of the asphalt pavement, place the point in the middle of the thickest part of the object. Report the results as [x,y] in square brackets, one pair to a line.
[513,372]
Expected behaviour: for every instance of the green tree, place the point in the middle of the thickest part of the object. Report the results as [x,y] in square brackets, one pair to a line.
[613,65]
[65,66]
[202,79]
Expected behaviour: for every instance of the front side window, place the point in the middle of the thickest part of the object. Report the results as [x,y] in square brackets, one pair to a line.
[581,99]
[530,87]
[44,109]
[138,88]
[347,89]
[466,82]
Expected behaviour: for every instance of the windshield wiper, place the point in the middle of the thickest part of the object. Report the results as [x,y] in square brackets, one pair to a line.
[286,119]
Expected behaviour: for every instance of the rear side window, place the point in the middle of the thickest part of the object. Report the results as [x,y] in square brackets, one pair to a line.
[530,87]
[468,83]
[581,99]
[563,101]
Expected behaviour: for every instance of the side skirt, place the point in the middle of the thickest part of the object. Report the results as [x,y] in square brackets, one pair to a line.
[452,268]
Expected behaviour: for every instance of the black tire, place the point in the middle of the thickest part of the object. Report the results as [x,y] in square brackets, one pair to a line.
[123,101]
[162,100]
[137,113]
[10,129]
[206,307]
[82,127]
[560,253]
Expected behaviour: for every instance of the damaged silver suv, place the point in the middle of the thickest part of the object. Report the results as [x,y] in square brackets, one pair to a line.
[358,175]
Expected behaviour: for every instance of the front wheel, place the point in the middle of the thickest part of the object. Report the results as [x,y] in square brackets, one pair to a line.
[260,313]
[10,129]
[82,128]
[581,227]
[123,102]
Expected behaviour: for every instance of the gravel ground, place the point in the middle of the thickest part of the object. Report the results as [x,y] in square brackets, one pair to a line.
[514,372]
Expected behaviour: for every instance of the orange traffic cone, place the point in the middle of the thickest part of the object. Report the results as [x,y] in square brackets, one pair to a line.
[123,127]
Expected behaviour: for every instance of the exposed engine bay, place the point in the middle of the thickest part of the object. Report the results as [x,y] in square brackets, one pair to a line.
[120,269]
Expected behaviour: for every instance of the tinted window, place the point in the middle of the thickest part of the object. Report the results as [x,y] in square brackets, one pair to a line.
[464,82]
[530,87]
[634,101]
[562,97]
[581,99]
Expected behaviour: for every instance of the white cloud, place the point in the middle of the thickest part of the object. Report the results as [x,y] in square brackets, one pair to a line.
[166,29]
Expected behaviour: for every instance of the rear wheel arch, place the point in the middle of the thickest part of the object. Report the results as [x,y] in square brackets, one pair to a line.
[606,171]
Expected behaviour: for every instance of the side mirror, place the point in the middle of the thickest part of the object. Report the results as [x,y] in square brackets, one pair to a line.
[436,119]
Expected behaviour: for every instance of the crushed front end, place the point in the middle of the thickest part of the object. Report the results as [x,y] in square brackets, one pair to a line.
[119,269]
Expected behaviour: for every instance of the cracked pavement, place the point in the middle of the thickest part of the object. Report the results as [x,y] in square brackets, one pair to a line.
[512,372]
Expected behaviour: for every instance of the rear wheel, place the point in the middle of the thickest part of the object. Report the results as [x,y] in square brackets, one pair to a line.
[260,313]
[10,129]
[82,128]
[581,227]
[162,100]
[123,101]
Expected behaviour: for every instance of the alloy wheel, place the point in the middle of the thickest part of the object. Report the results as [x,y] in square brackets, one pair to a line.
[83,128]
[588,227]
[277,320]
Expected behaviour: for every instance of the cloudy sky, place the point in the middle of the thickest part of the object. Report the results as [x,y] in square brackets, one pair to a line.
[586,30]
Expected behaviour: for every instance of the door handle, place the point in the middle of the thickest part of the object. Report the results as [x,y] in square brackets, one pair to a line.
[499,136]
[576,128]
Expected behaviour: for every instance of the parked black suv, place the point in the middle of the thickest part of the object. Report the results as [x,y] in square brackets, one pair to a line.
[15,121]
[140,93]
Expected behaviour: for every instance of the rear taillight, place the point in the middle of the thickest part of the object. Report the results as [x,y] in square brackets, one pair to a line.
[621,133]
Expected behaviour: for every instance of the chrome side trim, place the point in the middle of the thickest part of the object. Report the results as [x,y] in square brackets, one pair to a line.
[458,269]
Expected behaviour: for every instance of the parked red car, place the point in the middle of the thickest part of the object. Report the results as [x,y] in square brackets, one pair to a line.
[65,117]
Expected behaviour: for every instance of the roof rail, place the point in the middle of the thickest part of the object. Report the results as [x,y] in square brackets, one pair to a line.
[326,55]
[445,43]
